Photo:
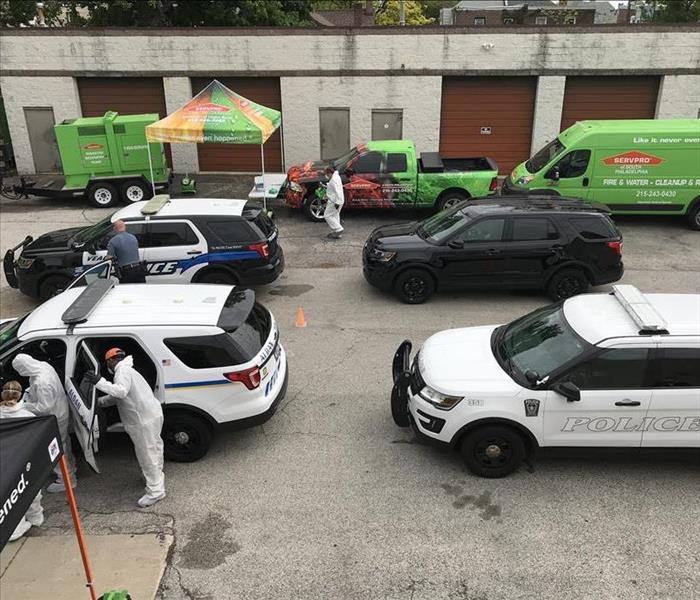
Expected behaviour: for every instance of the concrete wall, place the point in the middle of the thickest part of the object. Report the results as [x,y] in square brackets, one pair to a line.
[679,97]
[60,93]
[548,107]
[419,97]
[178,91]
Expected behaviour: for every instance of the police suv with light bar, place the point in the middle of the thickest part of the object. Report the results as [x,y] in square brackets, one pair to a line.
[199,240]
[211,354]
[619,369]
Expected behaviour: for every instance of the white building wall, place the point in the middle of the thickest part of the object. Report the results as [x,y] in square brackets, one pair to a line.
[178,91]
[59,93]
[419,97]
[549,102]
[679,97]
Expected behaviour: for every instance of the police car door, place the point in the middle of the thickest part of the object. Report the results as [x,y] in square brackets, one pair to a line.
[82,399]
[97,253]
[174,251]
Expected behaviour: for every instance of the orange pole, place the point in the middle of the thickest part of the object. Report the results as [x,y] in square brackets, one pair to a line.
[78,527]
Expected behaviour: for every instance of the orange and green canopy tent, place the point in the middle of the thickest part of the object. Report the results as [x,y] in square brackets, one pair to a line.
[217,115]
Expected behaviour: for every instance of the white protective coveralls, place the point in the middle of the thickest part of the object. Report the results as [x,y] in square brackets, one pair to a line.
[46,396]
[35,512]
[142,417]
[335,198]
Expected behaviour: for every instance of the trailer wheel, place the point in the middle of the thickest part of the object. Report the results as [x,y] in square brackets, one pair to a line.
[102,195]
[135,191]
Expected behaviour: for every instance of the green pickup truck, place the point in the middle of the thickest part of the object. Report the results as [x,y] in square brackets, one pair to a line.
[388,174]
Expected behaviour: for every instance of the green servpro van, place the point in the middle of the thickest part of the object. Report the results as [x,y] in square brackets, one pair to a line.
[632,166]
[105,159]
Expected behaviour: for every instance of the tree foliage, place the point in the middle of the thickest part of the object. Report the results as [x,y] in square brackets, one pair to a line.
[672,11]
[387,13]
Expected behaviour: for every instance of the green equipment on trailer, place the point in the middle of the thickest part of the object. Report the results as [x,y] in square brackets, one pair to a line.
[634,166]
[105,159]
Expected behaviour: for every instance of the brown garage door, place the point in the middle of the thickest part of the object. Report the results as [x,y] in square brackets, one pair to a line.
[609,98]
[243,157]
[125,95]
[488,116]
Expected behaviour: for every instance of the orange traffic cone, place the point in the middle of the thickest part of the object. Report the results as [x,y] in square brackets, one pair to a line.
[300,320]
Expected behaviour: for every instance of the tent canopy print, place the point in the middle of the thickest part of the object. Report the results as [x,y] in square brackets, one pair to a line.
[217,115]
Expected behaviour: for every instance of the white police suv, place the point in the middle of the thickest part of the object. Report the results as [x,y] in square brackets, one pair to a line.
[619,369]
[210,352]
[199,240]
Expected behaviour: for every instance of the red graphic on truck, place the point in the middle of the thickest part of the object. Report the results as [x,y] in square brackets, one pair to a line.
[633,158]
[93,147]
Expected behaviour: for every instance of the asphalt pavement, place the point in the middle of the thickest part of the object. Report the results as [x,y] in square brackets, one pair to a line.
[330,499]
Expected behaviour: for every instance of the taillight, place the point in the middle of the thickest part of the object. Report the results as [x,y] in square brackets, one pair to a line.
[494,185]
[616,246]
[262,249]
[248,377]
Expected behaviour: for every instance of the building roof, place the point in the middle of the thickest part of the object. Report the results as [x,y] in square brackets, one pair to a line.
[349,17]
[596,317]
[185,207]
[136,305]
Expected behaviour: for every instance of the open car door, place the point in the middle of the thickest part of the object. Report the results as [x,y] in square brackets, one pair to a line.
[82,398]
[101,270]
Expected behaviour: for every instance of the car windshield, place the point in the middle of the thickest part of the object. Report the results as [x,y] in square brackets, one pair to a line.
[541,341]
[8,332]
[544,156]
[443,224]
[96,231]
[344,159]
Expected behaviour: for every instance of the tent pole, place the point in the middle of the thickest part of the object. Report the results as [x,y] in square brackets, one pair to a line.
[78,527]
[150,166]
[262,157]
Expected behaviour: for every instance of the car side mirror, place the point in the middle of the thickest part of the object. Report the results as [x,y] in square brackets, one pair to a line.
[569,390]
[553,174]
[349,171]
[456,244]
[532,377]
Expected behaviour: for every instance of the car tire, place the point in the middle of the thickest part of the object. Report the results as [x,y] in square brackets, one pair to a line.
[186,437]
[566,284]
[219,277]
[493,451]
[135,190]
[694,217]
[414,286]
[399,409]
[449,199]
[313,208]
[102,195]
[52,286]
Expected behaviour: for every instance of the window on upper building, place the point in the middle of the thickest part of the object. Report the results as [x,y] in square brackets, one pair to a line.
[508,20]
[540,20]
[479,20]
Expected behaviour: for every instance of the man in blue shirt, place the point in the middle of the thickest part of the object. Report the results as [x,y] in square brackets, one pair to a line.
[124,248]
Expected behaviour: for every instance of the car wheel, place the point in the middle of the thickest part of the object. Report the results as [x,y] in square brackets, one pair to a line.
[314,207]
[102,195]
[186,437]
[449,200]
[135,191]
[694,217]
[493,451]
[220,277]
[567,283]
[414,286]
[52,286]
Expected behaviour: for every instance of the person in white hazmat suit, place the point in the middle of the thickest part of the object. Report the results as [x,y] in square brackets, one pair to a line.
[335,198]
[142,417]
[46,396]
[12,407]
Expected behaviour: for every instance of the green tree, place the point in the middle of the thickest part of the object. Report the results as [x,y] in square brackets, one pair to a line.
[672,11]
[16,13]
[387,13]
[431,8]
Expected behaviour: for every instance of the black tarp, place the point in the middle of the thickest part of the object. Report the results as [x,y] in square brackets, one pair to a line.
[29,450]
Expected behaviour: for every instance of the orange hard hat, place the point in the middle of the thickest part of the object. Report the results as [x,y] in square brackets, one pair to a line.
[114,353]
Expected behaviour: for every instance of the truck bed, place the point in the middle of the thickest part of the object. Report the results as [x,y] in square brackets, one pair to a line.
[432,162]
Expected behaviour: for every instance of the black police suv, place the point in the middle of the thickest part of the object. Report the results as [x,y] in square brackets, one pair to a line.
[197,240]
[559,245]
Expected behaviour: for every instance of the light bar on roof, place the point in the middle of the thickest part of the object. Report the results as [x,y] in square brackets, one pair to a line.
[155,204]
[640,310]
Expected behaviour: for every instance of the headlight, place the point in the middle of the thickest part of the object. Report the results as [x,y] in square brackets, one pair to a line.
[295,187]
[524,180]
[381,256]
[24,263]
[439,400]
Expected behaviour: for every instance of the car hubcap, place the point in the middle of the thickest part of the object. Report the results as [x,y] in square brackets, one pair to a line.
[568,287]
[103,196]
[414,287]
[451,202]
[493,453]
[134,193]
[181,438]
[317,208]
[697,218]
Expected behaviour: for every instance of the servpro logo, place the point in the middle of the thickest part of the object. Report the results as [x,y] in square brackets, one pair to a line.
[208,107]
[93,146]
[633,158]
[14,496]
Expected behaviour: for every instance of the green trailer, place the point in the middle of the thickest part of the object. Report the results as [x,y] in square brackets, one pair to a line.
[105,159]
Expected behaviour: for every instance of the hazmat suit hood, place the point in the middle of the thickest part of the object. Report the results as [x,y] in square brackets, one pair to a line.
[27,366]
[127,361]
